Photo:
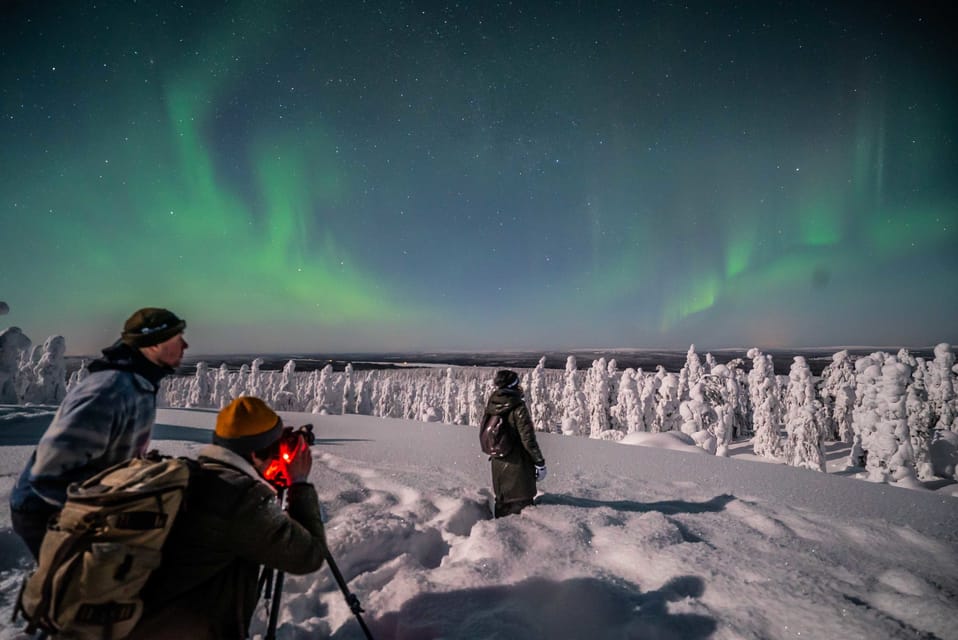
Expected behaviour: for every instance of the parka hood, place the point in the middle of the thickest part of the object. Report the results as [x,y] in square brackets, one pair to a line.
[221,454]
[502,401]
[122,357]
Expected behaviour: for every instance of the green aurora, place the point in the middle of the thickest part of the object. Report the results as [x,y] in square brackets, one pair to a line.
[291,177]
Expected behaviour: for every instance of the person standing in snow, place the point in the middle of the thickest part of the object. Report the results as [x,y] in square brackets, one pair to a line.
[104,420]
[514,476]
[229,525]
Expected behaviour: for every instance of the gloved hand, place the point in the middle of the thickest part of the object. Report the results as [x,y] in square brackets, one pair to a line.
[302,461]
[540,473]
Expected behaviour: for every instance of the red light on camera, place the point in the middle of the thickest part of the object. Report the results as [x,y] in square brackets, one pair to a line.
[276,471]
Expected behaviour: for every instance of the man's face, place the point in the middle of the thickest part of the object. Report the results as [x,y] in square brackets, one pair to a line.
[168,353]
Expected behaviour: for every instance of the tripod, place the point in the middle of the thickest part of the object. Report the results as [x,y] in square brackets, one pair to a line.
[275,584]
[351,598]
[277,587]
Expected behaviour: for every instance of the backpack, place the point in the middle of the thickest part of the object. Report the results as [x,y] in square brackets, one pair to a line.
[496,437]
[102,547]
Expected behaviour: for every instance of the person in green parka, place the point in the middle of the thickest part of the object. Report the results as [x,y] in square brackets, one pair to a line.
[514,476]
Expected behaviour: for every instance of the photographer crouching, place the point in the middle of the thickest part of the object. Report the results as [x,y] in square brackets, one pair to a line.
[231,524]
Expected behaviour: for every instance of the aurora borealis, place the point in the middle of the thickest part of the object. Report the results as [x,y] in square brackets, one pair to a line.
[323,177]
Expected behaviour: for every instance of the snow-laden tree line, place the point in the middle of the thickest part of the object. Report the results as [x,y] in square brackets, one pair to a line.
[891,408]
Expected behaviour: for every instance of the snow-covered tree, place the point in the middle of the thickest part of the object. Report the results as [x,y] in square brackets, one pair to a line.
[415,403]
[449,398]
[690,373]
[77,376]
[705,415]
[721,385]
[710,363]
[837,394]
[285,397]
[626,413]
[476,401]
[221,387]
[597,397]
[739,404]
[804,443]
[199,394]
[697,412]
[349,390]
[26,374]
[364,395]
[574,409]
[418,402]
[919,377]
[384,398]
[763,393]
[612,377]
[648,389]
[805,437]
[920,427]
[905,357]
[890,454]
[617,408]
[541,408]
[381,397]
[322,400]
[941,387]
[667,400]
[865,412]
[47,381]
[256,385]
[240,384]
[722,429]
[843,411]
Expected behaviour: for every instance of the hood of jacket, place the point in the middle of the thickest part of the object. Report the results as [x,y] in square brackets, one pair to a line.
[502,401]
[122,357]
[216,453]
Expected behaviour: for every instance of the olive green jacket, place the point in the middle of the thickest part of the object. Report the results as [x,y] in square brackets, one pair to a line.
[514,476]
[230,524]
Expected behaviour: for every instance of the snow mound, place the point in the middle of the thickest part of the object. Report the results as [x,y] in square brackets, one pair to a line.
[674,440]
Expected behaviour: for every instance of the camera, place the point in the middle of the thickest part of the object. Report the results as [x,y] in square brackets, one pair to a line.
[277,471]
[290,438]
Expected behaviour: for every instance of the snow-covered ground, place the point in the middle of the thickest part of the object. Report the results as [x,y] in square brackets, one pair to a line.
[655,541]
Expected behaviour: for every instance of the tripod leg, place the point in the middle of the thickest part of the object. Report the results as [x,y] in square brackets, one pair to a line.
[350,597]
[274,606]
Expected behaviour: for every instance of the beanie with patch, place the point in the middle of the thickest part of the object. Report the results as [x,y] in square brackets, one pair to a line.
[150,326]
[505,379]
[247,424]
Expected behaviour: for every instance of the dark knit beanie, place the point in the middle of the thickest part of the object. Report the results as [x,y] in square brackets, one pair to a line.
[247,424]
[151,326]
[505,379]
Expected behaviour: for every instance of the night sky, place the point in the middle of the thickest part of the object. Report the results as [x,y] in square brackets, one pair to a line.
[322,177]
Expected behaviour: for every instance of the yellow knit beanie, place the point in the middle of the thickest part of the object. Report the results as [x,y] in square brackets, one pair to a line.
[247,424]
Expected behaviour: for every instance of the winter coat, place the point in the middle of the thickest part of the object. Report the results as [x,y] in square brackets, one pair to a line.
[106,419]
[230,524]
[514,476]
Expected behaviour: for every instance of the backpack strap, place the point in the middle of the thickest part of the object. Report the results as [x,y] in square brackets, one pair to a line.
[18,609]
[106,614]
